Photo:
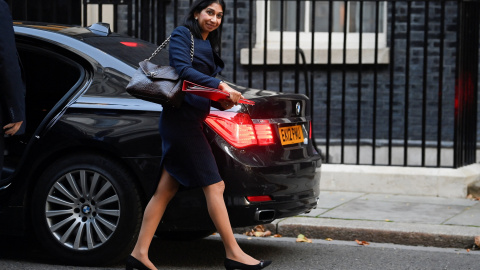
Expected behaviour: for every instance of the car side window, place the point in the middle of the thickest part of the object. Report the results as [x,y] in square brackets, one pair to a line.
[49,76]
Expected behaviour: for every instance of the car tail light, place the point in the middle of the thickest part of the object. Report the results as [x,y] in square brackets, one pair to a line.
[263,198]
[264,133]
[239,130]
[310,131]
[129,44]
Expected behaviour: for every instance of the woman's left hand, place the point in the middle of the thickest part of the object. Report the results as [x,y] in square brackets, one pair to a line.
[234,97]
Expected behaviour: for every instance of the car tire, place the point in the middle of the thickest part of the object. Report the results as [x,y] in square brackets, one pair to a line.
[86,210]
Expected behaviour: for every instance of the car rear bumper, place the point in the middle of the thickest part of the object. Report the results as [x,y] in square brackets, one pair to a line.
[293,188]
[262,213]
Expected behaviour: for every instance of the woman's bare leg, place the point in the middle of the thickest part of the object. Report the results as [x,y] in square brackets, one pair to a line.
[219,215]
[166,189]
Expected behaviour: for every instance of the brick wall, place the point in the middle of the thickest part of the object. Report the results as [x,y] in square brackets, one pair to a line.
[402,81]
[415,77]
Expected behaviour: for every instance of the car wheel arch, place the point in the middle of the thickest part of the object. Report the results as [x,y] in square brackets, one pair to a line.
[77,155]
[71,152]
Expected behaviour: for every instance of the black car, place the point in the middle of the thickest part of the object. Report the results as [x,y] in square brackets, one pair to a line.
[80,176]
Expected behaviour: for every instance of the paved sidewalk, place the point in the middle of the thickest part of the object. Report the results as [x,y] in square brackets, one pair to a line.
[398,219]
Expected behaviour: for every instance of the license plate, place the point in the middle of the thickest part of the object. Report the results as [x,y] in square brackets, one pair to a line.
[291,134]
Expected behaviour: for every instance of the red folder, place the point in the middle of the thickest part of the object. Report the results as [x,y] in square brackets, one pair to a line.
[210,93]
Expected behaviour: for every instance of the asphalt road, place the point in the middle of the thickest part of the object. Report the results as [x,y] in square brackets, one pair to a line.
[285,253]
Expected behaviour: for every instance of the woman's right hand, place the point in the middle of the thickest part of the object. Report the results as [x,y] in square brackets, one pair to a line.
[235,96]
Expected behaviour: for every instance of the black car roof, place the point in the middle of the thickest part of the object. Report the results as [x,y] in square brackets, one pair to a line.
[74,31]
[128,49]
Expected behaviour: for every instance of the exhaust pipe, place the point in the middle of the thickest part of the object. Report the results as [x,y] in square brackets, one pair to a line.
[265,215]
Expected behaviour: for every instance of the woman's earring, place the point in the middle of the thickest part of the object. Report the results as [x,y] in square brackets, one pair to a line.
[196,18]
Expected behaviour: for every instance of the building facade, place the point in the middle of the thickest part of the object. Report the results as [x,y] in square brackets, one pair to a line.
[385,77]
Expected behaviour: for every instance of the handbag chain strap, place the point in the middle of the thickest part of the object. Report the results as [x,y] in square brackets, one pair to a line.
[164,44]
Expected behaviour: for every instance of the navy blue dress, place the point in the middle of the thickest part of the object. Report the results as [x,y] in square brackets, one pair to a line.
[186,153]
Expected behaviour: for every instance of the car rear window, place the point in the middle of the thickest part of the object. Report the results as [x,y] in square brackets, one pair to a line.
[129,50]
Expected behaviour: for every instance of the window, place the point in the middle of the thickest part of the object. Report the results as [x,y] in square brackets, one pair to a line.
[94,15]
[282,24]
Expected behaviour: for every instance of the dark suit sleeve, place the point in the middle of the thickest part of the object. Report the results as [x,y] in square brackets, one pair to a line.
[180,44]
[12,86]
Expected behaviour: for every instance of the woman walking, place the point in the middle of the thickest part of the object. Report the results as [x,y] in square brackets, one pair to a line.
[187,158]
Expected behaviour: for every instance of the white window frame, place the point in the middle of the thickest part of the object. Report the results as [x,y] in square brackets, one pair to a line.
[92,14]
[321,43]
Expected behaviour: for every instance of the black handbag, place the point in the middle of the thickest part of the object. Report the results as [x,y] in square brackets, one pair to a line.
[156,83]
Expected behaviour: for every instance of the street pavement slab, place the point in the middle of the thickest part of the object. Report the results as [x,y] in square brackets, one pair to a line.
[388,218]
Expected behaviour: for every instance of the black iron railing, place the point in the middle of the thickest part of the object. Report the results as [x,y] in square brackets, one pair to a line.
[409,98]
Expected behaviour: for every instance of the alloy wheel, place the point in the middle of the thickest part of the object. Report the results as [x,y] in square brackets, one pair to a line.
[82,209]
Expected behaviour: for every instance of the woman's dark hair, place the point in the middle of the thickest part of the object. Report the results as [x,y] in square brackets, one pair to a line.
[215,36]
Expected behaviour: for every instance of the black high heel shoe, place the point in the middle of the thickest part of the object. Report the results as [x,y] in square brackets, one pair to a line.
[231,265]
[133,263]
